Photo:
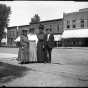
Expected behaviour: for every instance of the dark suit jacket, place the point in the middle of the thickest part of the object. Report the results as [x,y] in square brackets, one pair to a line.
[50,43]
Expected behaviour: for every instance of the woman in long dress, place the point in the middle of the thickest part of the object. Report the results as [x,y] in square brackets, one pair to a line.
[32,37]
[41,51]
[23,54]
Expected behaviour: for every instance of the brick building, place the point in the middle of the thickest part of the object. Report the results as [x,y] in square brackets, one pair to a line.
[75,23]
[55,25]
[76,20]
[21,28]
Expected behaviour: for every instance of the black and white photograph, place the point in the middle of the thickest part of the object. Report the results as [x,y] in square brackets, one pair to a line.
[43,43]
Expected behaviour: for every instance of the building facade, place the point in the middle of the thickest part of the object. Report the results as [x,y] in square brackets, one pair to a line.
[55,25]
[75,21]
[21,28]
[11,35]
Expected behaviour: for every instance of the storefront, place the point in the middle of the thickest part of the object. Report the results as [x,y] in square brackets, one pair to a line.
[78,37]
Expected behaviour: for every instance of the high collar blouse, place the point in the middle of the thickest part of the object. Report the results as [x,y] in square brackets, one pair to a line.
[33,37]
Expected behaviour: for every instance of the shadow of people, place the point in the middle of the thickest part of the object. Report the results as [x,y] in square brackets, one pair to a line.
[9,72]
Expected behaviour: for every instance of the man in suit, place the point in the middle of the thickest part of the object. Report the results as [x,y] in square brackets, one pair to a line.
[49,43]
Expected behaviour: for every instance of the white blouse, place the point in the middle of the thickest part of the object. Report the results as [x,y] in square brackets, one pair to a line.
[33,37]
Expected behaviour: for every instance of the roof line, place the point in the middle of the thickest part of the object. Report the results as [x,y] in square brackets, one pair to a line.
[47,21]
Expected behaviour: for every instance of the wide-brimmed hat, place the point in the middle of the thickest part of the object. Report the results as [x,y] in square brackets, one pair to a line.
[25,30]
[31,29]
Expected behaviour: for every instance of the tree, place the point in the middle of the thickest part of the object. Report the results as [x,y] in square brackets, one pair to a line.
[35,19]
[4,15]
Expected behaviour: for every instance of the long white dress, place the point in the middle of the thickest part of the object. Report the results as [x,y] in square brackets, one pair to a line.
[32,47]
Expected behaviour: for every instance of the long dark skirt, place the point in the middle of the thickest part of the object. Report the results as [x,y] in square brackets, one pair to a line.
[41,52]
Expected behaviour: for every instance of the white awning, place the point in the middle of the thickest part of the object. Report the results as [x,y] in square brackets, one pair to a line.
[17,39]
[78,33]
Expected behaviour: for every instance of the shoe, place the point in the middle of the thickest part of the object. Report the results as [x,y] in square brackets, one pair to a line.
[21,63]
[26,62]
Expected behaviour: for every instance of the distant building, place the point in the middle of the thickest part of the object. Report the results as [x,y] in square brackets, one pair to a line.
[55,25]
[73,25]
[21,28]
[4,39]
[76,20]
[11,35]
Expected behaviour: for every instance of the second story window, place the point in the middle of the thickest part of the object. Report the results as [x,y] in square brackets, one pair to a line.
[68,22]
[73,21]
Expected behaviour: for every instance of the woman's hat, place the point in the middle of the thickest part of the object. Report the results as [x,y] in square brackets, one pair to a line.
[31,30]
[25,30]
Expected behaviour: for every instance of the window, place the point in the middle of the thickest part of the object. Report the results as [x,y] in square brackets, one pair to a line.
[82,23]
[68,26]
[47,29]
[50,26]
[50,29]
[68,22]
[74,26]
[87,22]
[73,21]
[58,27]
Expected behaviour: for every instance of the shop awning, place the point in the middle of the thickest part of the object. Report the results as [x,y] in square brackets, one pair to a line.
[77,33]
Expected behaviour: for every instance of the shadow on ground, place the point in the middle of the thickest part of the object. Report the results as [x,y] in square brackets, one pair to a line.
[9,72]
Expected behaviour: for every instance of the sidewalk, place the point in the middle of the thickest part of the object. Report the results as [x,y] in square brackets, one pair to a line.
[43,75]
[83,48]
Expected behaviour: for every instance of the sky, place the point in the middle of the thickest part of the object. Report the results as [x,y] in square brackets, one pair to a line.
[23,11]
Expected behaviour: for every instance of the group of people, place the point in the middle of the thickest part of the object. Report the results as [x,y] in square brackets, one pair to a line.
[35,47]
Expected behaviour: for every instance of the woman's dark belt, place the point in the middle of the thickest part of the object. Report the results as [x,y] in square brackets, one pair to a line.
[41,40]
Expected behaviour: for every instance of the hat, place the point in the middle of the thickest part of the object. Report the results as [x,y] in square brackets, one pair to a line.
[24,30]
[41,26]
